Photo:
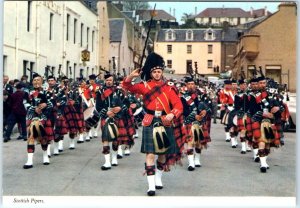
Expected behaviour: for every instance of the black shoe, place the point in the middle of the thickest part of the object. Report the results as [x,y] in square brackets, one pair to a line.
[119,156]
[5,140]
[27,166]
[257,159]
[263,169]
[55,154]
[233,146]
[105,168]
[87,140]
[151,193]
[190,168]
[49,156]
[114,165]
[159,187]
[25,139]
[20,138]
[243,152]
[227,140]
[91,137]
[46,163]
[71,148]
[79,142]
[198,166]
[60,150]
[282,143]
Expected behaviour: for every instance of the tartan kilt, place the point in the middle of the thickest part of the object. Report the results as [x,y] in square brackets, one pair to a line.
[126,131]
[259,137]
[47,126]
[61,127]
[148,143]
[71,118]
[242,123]
[80,121]
[206,136]
[255,126]
[249,127]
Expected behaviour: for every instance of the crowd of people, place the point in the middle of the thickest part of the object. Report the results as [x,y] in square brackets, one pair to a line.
[176,116]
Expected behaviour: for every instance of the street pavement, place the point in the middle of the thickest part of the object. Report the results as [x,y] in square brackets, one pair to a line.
[224,172]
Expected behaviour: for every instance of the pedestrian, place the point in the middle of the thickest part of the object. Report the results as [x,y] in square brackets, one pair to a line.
[161,104]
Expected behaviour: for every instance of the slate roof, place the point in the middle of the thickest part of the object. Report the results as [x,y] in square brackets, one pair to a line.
[231,35]
[161,15]
[260,13]
[223,12]
[116,29]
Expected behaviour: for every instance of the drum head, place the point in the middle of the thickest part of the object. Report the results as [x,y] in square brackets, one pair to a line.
[235,119]
[88,112]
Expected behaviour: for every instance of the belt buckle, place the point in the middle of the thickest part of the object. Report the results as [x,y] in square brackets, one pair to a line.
[157,113]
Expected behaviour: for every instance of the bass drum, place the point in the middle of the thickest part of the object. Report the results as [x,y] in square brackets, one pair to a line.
[139,116]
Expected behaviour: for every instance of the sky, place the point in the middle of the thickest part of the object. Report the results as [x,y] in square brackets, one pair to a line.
[189,6]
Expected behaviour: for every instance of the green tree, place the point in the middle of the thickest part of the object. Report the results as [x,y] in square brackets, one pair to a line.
[186,17]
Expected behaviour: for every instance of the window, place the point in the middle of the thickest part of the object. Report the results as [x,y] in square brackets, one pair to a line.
[210,48]
[29,7]
[169,64]
[209,34]
[67,68]
[4,64]
[169,48]
[81,34]
[68,25]
[189,48]
[170,35]
[74,70]
[75,32]
[87,37]
[51,26]
[209,64]
[93,40]
[189,35]
[189,66]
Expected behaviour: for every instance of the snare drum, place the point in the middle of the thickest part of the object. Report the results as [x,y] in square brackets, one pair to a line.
[139,115]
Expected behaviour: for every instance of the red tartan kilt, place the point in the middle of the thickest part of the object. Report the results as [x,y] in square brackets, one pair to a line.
[276,129]
[188,128]
[240,124]
[256,129]
[71,118]
[61,127]
[125,131]
[249,127]
[206,135]
[80,121]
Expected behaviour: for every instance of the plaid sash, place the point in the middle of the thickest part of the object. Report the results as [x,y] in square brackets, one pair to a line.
[152,94]
[192,99]
[106,93]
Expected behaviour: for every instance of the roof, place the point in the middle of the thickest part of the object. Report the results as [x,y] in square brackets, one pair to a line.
[161,15]
[116,29]
[128,14]
[223,12]
[254,22]
[231,35]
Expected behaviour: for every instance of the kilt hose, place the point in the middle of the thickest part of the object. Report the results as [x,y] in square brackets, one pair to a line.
[71,118]
[189,137]
[148,141]
[80,121]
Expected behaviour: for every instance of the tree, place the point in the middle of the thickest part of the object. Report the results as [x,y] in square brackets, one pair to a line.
[186,17]
[135,5]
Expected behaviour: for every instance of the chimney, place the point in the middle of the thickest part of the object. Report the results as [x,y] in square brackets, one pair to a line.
[170,11]
[195,10]
[266,11]
[174,13]
[251,11]
[225,26]
[133,14]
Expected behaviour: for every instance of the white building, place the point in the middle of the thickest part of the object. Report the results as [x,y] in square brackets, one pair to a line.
[52,34]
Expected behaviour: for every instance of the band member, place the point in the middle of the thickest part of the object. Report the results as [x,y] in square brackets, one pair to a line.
[40,129]
[109,106]
[264,110]
[241,106]
[254,88]
[195,114]
[93,88]
[161,104]
[227,101]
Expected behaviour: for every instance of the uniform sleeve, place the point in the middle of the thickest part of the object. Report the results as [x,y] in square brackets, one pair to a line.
[176,104]
[136,88]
